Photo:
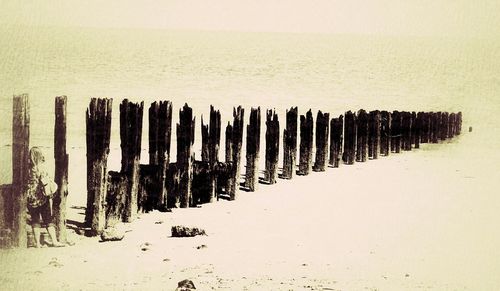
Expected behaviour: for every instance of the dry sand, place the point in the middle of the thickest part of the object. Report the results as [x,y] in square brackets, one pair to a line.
[426,219]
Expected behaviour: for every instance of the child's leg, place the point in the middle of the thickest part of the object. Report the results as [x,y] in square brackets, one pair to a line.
[35,224]
[47,218]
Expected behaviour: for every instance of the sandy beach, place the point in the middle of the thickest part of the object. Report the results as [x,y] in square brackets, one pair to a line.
[419,220]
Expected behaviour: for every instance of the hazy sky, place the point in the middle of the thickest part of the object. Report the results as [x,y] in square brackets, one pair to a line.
[415,17]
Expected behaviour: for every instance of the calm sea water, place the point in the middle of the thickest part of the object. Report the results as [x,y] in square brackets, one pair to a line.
[329,72]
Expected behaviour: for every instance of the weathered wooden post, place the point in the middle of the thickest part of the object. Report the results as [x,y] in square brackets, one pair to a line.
[350,127]
[446,127]
[229,141]
[236,144]
[434,127]
[290,143]
[213,149]
[424,127]
[160,132]
[336,129]
[373,134]
[98,122]
[131,137]
[417,129]
[385,133]
[204,141]
[61,168]
[406,130]
[322,123]
[452,125]
[306,143]
[20,165]
[185,155]
[272,146]
[413,132]
[252,150]
[396,124]
[459,123]
[362,136]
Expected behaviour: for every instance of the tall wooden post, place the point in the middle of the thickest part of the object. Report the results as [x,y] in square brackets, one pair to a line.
[213,149]
[418,129]
[396,133]
[290,143]
[336,137]
[61,168]
[362,136]
[385,133]
[272,146]
[373,134]
[160,132]
[406,130]
[350,131]
[459,123]
[20,165]
[253,148]
[204,141]
[185,155]
[306,143]
[236,144]
[424,127]
[98,137]
[322,123]
[131,136]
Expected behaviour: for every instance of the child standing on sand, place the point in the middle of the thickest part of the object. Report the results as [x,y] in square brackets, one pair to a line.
[38,194]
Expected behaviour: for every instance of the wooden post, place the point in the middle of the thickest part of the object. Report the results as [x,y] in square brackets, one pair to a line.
[446,127]
[424,127]
[385,133]
[348,156]
[362,136]
[204,141]
[452,125]
[229,141]
[213,149]
[322,123]
[459,123]
[116,198]
[396,121]
[336,129]
[418,129]
[290,143]
[252,150]
[306,143]
[373,134]
[236,144]
[20,164]
[98,137]
[185,155]
[406,130]
[61,168]
[414,129]
[160,132]
[272,146]
[437,126]
[131,136]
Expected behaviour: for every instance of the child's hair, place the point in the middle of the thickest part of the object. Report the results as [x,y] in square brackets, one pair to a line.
[36,157]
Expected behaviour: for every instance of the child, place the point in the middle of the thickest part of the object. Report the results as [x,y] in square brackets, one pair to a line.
[38,201]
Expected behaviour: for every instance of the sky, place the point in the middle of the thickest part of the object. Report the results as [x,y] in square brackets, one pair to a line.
[392,17]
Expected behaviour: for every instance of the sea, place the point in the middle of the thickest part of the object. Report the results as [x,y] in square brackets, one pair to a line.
[328,72]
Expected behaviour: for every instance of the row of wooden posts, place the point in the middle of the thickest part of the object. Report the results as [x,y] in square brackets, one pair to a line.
[352,137]
[118,196]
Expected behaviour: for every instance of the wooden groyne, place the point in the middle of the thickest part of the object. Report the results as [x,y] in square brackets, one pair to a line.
[114,197]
